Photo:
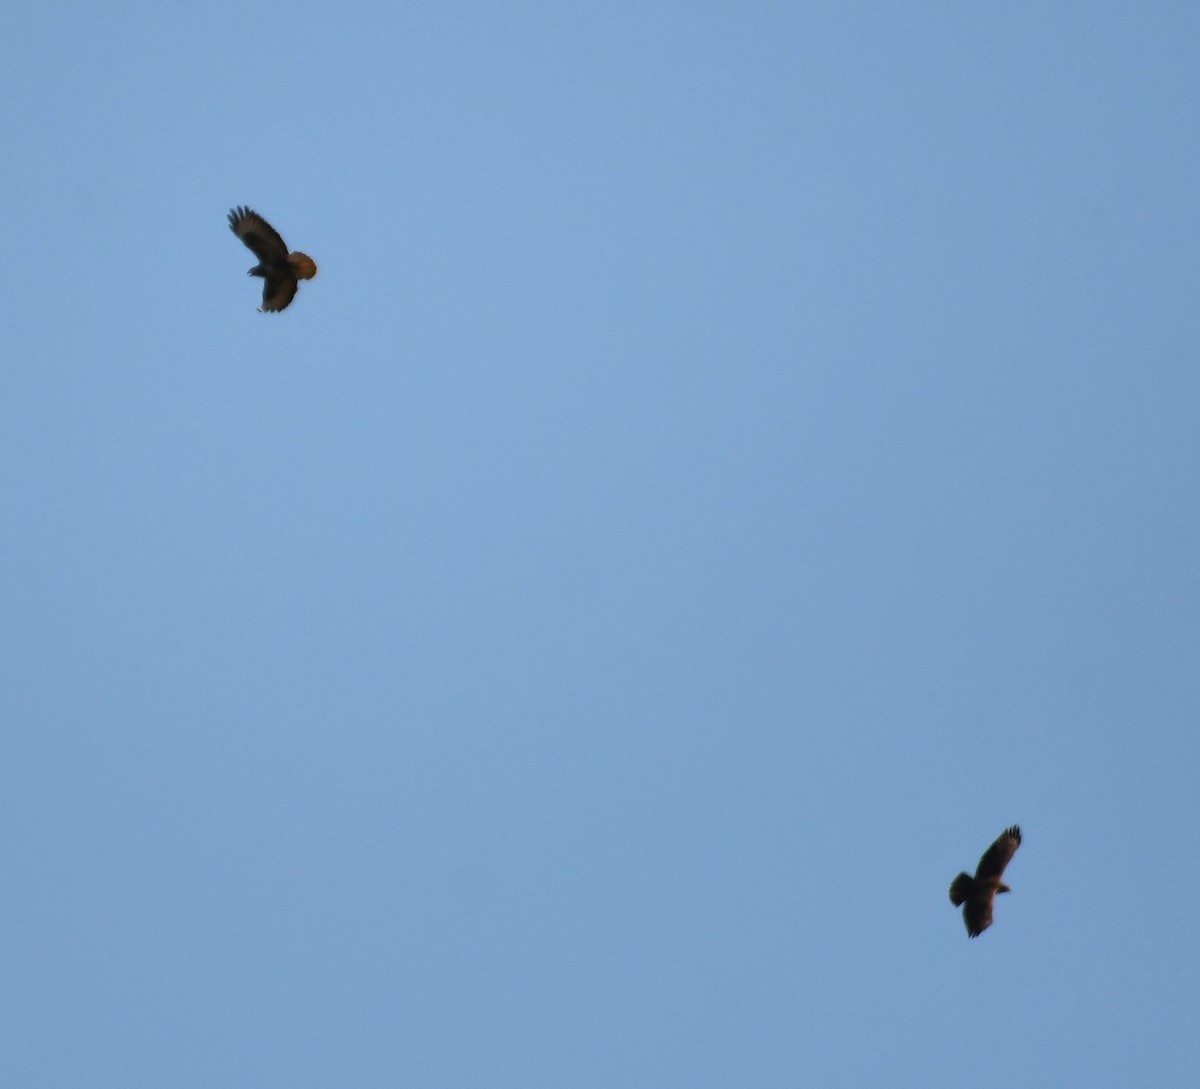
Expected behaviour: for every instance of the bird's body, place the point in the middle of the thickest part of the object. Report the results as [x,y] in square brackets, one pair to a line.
[977,895]
[281,271]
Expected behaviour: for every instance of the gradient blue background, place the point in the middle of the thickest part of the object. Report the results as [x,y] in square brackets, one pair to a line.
[734,460]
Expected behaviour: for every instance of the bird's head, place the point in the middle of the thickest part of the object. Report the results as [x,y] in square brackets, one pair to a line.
[1003,888]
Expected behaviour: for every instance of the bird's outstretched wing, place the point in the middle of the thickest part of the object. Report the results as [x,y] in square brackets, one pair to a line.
[998,855]
[260,236]
[977,914]
[279,289]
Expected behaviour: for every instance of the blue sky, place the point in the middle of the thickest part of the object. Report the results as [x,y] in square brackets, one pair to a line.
[733,461]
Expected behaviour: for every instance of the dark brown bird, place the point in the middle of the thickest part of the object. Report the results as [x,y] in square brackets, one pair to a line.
[977,894]
[280,270]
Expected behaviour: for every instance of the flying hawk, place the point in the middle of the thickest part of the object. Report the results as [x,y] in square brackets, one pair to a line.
[977,894]
[280,270]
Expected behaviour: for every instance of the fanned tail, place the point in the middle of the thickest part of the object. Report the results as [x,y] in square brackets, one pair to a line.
[961,888]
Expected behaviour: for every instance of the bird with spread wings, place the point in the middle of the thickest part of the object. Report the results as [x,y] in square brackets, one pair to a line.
[977,895]
[281,271]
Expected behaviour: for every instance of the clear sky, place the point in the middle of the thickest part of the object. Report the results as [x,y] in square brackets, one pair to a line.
[734,460]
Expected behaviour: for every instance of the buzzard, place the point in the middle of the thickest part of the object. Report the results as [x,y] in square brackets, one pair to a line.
[977,894]
[280,270]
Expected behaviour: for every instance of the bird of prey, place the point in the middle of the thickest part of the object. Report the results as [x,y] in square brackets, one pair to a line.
[280,270]
[977,895]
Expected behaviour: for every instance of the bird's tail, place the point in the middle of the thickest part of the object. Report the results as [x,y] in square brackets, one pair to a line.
[960,888]
[303,266]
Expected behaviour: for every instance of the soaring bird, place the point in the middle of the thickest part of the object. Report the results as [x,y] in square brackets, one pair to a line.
[977,894]
[280,270]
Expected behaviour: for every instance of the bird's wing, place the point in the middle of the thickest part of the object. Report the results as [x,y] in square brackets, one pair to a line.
[258,234]
[999,854]
[977,914]
[279,289]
